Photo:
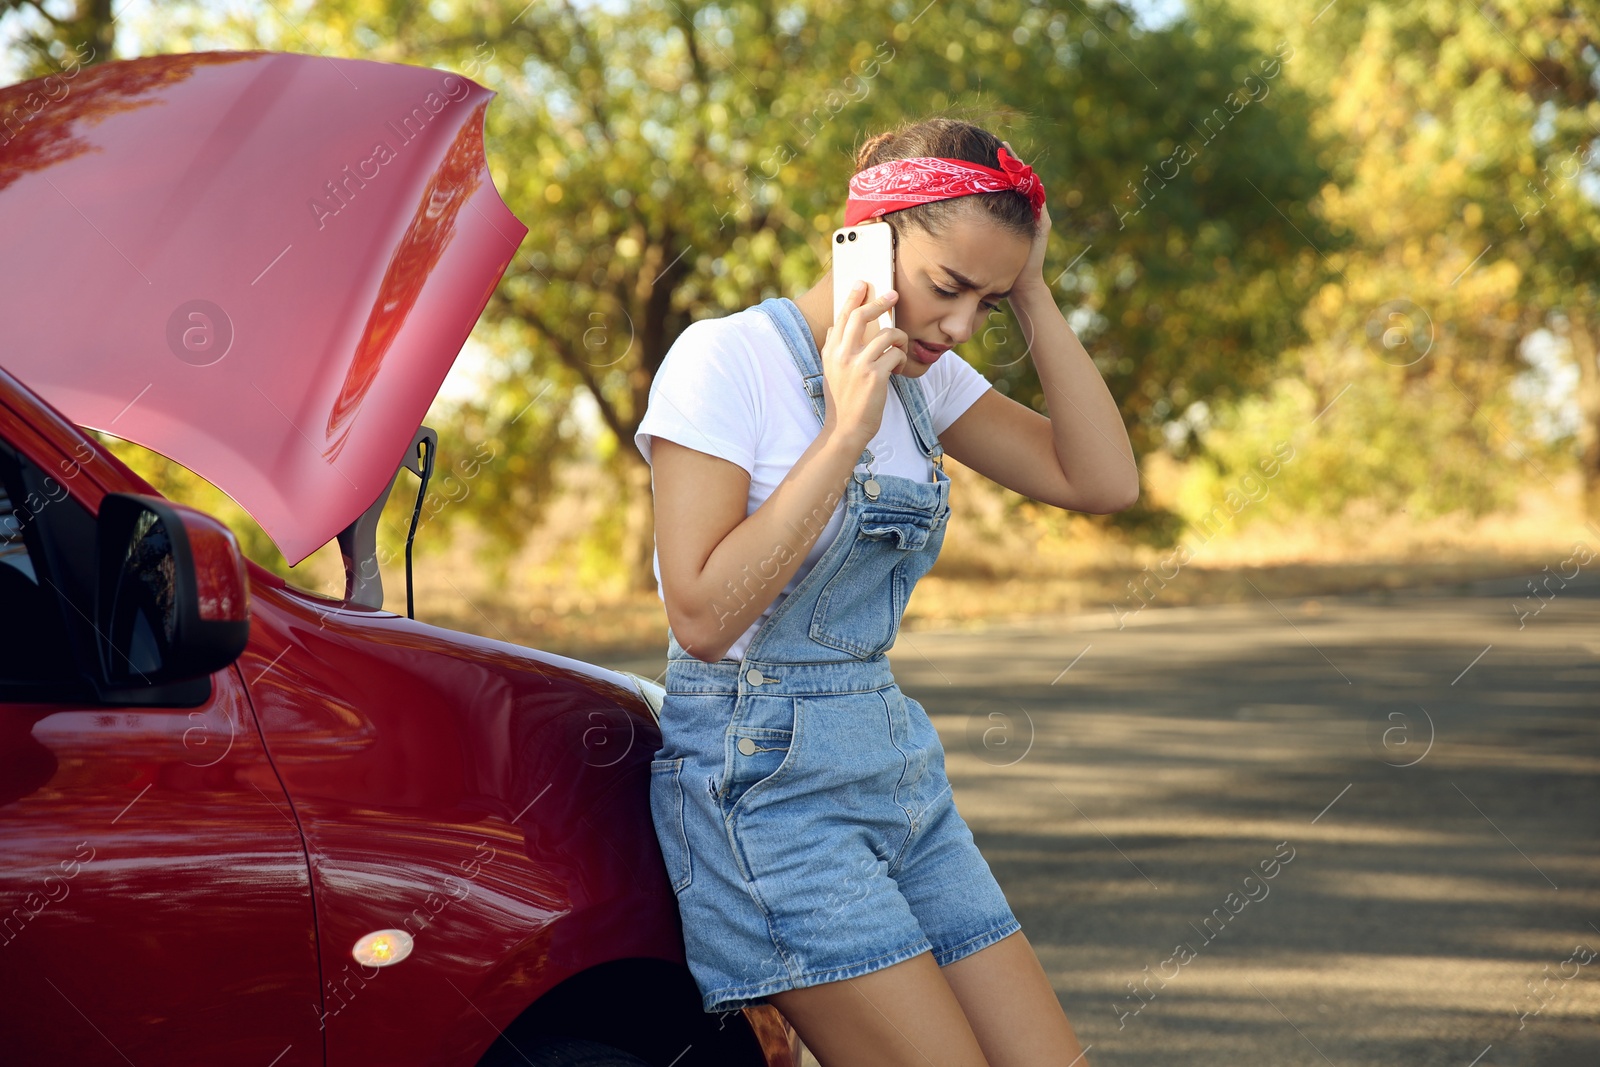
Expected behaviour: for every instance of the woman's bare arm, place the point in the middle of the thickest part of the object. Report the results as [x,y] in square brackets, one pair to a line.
[1080,457]
[720,569]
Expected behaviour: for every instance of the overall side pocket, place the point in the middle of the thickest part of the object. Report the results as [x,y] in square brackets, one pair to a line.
[666,812]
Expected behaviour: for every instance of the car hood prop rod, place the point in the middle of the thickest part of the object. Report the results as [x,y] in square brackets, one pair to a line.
[363,580]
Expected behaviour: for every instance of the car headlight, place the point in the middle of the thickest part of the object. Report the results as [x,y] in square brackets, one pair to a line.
[652,693]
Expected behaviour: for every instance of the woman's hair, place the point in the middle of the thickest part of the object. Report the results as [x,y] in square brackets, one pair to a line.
[950,139]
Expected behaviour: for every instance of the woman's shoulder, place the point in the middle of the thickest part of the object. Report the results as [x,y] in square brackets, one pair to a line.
[731,332]
[744,343]
[710,392]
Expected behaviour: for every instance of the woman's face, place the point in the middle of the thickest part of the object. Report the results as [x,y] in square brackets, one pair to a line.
[971,248]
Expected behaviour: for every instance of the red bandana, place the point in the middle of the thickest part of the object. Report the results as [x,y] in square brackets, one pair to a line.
[903,183]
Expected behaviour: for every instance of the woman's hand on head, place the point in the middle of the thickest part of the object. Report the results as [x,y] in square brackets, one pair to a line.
[858,356]
[1033,272]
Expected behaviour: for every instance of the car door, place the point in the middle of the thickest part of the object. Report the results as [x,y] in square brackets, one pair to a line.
[155,902]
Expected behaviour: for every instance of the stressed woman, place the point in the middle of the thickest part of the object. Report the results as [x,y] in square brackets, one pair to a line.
[799,796]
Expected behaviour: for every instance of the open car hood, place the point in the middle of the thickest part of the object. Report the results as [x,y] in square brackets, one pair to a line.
[260,265]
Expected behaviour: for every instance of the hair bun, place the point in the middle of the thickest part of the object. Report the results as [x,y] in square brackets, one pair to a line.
[870,150]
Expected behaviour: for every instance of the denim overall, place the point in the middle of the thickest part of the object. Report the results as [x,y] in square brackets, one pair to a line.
[799,796]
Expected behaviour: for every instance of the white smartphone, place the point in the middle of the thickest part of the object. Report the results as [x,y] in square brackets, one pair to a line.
[864,252]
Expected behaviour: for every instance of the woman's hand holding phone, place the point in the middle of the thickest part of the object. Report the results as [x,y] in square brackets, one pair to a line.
[858,356]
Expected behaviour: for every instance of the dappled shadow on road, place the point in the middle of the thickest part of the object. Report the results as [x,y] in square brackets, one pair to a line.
[1429,768]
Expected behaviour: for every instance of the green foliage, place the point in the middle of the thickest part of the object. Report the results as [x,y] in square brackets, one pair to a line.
[1380,443]
[50,39]
[499,455]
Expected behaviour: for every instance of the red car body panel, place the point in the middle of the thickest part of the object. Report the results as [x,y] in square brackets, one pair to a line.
[282,256]
[116,823]
[168,808]
[480,796]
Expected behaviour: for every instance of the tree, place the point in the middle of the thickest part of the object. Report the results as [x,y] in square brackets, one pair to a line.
[46,41]
[685,147]
[1467,188]
[679,160]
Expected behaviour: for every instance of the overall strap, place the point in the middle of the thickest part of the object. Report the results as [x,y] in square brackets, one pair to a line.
[796,332]
[916,405]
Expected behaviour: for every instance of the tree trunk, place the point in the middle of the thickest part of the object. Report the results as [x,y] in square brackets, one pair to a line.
[638,541]
[1580,335]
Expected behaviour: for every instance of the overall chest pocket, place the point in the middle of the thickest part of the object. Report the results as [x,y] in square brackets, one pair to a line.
[858,610]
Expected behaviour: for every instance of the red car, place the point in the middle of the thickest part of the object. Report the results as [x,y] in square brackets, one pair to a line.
[241,822]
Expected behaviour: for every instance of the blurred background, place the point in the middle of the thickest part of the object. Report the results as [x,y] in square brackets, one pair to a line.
[1337,262]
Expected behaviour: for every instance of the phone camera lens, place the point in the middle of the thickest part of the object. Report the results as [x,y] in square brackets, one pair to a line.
[838,238]
[852,237]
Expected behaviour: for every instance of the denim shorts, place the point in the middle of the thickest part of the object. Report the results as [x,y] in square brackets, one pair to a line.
[809,830]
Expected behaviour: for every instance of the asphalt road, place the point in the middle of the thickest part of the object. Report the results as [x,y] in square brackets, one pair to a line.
[1352,830]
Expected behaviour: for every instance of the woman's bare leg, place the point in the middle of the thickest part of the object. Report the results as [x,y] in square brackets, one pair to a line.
[1009,1003]
[905,1015]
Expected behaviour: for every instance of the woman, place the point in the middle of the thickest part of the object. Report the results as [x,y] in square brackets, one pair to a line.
[799,796]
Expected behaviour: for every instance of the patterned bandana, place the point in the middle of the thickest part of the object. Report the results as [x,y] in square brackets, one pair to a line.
[903,183]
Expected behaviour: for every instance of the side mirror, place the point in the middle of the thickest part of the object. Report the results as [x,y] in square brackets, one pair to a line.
[172,601]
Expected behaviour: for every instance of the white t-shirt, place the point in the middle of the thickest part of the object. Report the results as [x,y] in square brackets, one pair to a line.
[729,387]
